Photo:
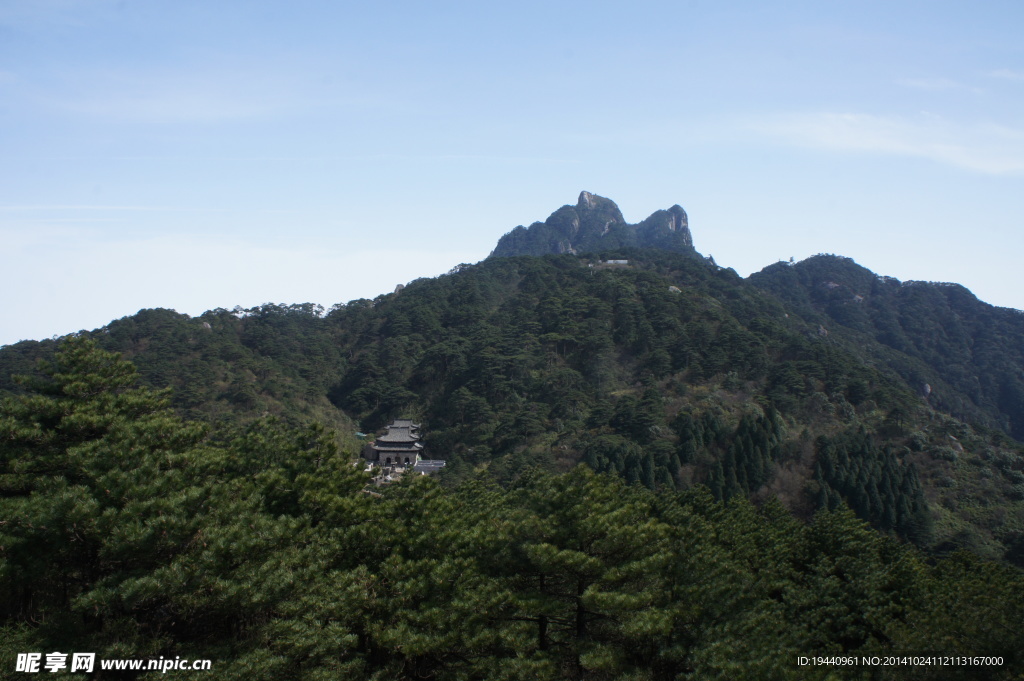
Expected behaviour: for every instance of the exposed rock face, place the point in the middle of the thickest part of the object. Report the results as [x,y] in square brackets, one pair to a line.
[596,223]
[666,229]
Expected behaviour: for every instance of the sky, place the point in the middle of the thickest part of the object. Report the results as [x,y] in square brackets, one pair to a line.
[193,154]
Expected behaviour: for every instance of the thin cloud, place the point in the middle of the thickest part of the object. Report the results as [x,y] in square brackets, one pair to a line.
[210,93]
[52,12]
[19,242]
[174,102]
[503,159]
[933,84]
[63,207]
[1007,74]
[68,220]
[990,149]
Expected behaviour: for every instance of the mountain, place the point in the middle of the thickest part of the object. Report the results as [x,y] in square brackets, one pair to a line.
[235,527]
[595,224]
[964,355]
[805,383]
[968,355]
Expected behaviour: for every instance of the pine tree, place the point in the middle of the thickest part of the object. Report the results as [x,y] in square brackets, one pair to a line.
[93,489]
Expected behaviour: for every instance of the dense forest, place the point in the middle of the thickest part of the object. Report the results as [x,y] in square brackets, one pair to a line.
[655,470]
[131,532]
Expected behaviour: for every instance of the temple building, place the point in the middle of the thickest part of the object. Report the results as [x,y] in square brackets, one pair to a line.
[399,452]
[401,445]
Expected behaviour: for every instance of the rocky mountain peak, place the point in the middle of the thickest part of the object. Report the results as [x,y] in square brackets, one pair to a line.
[593,203]
[596,223]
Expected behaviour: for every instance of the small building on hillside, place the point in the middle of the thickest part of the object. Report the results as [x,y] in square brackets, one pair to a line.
[401,445]
[428,466]
[399,452]
[604,264]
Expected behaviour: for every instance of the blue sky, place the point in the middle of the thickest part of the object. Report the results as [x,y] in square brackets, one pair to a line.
[195,155]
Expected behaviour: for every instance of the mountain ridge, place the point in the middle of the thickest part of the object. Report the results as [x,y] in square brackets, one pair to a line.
[941,331]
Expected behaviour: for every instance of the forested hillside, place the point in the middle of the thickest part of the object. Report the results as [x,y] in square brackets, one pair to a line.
[969,354]
[655,470]
[225,366]
[668,371]
[132,533]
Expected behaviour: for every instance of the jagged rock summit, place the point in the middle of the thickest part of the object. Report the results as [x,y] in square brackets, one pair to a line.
[596,224]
